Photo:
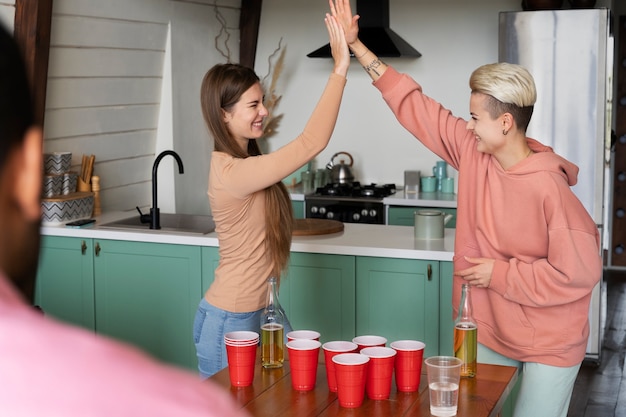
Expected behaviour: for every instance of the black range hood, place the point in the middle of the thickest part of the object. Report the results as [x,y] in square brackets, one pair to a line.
[375,33]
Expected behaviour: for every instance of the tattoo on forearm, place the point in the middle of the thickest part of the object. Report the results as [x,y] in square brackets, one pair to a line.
[373,65]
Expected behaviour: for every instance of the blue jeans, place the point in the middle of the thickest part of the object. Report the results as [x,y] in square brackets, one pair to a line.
[209,328]
[544,390]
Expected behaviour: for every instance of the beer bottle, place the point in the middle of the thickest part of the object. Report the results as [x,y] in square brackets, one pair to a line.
[272,328]
[466,334]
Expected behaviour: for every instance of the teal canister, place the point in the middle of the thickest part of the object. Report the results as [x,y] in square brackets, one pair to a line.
[440,171]
[447,185]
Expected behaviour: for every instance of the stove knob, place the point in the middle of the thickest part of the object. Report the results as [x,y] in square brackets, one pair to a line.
[330,215]
[322,210]
[356,217]
[314,209]
[373,213]
[364,212]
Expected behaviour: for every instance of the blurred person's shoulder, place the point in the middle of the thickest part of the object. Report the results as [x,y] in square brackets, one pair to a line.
[57,369]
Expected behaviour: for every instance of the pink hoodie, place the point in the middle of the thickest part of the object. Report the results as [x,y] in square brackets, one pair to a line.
[546,246]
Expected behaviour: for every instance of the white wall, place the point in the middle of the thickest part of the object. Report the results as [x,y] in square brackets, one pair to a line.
[7,13]
[454,37]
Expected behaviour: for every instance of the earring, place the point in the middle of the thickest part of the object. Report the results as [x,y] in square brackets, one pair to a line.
[505,132]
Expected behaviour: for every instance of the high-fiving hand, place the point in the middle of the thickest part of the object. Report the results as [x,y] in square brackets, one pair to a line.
[340,9]
[338,45]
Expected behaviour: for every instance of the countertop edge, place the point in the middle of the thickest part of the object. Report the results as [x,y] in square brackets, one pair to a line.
[380,241]
[443,200]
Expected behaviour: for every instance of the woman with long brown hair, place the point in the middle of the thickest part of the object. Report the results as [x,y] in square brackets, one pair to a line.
[250,205]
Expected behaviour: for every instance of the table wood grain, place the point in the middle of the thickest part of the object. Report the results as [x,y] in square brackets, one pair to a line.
[271,394]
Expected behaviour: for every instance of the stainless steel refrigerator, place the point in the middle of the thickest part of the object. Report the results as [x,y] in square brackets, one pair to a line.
[570,55]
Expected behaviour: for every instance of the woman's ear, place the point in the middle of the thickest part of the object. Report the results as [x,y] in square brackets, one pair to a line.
[30,175]
[507,121]
[226,116]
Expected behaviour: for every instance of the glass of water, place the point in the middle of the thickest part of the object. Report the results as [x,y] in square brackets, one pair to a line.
[444,375]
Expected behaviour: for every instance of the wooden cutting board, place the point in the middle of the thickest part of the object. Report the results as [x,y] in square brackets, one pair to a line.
[310,227]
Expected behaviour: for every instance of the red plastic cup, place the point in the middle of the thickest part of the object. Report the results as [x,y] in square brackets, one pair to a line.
[379,371]
[351,372]
[303,357]
[409,357]
[241,361]
[303,334]
[241,337]
[332,349]
[369,341]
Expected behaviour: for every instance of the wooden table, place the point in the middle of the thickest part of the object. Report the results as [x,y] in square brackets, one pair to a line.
[271,394]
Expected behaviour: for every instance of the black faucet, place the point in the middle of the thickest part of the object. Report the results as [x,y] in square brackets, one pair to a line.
[155,215]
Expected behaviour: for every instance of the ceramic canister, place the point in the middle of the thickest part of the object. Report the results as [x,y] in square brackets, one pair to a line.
[429,224]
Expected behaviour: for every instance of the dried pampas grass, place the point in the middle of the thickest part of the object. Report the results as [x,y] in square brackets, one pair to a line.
[272,99]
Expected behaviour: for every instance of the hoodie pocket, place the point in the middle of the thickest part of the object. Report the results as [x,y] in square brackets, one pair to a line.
[511,324]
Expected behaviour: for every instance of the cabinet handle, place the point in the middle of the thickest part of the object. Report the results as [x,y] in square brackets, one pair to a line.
[97,249]
[83,247]
[429,272]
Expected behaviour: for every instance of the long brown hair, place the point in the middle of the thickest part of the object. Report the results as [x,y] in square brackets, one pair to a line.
[222,87]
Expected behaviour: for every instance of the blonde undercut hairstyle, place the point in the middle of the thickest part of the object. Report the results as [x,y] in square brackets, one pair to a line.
[510,89]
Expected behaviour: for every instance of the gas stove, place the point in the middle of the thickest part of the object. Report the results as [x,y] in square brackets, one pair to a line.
[349,202]
[356,190]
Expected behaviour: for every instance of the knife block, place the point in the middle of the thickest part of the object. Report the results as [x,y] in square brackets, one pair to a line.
[83,186]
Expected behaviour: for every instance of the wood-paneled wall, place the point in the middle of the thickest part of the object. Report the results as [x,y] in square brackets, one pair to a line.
[108,76]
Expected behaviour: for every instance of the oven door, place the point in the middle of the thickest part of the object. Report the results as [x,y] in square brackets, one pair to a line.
[345,210]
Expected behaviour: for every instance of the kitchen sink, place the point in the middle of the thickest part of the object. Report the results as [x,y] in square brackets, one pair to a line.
[170,222]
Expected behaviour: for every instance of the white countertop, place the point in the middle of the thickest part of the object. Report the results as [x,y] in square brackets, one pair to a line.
[356,239]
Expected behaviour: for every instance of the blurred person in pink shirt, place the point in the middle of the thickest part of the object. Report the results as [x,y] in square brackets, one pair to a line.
[48,368]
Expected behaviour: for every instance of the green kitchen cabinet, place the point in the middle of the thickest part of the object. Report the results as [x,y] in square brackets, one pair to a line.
[398,299]
[446,321]
[298,209]
[147,294]
[405,216]
[210,259]
[318,293]
[65,285]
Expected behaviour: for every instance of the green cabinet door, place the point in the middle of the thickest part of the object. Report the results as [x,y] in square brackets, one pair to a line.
[298,209]
[147,294]
[65,283]
[398,299]
[317,293]
[446,327]
[405,216]
[210,259]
